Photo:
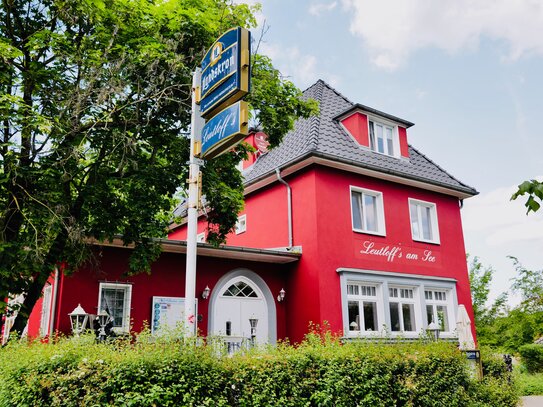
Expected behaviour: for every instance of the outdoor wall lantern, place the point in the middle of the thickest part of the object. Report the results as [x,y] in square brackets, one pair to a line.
[78,319]
[281,295]
[433,331]
[253,322]
[103,319]
[205,293]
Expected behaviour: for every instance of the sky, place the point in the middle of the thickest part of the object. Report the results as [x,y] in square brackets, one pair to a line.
[467,73]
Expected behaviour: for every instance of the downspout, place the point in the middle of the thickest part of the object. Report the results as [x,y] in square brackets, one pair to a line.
[289,205]
[54,305]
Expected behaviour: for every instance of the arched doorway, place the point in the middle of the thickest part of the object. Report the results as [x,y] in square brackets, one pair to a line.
[239,296]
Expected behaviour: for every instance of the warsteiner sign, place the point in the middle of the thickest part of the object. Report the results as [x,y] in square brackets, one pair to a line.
[224,130]
[225,71]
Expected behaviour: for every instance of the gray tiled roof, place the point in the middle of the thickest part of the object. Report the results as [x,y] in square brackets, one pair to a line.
[322,136]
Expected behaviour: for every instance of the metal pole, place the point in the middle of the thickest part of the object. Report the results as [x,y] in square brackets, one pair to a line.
[192,228]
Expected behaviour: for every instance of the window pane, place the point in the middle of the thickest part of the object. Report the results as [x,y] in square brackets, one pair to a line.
[426,223]
[380,139]
[113,303]
[394,316]
[414,220]
[390,144]
[430,314]
[370,316]
[354,316]
[357,210]
[370,212]
[372,136]
[442,317]
[352,289]
[408,313]
[428,295]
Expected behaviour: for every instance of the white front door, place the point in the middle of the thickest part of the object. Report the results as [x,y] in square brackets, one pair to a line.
[240,300]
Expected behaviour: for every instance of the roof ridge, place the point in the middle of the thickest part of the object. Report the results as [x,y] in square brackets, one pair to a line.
[316,120]
[320,81]
[441,168]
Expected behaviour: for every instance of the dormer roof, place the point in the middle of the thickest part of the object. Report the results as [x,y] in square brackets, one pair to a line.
[322,139]
[366,109]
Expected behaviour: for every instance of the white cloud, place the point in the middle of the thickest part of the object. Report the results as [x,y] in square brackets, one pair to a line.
[501,221]
[302,69]
[317,9]
[392,30]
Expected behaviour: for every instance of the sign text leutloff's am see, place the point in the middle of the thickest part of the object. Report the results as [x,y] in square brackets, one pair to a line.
[225,130]
[225,71]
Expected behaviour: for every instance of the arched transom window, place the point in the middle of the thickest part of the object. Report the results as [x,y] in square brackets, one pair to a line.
[240,289]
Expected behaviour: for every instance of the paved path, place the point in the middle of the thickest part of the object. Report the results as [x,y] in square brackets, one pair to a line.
[532,401]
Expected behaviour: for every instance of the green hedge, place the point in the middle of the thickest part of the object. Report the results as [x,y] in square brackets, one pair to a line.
[319,372]
[532,357]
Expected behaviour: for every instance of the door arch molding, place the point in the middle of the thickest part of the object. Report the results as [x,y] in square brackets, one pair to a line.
[263,287]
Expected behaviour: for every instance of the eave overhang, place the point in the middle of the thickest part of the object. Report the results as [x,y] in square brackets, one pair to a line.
[313,158]
[207,250]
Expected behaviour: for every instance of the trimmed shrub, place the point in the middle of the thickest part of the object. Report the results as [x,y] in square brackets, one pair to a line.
[532,357]
[319,372]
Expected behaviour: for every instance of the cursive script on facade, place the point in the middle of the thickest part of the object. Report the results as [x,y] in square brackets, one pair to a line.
[397,253]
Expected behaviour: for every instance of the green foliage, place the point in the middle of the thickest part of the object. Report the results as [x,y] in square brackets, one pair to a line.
[529,283]
[322,371]
[94,102]
[532,357]
[534,190]
[480,278]
[500,327]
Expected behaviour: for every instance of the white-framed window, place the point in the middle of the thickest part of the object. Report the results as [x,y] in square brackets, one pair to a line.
[437,308]
[116,299]
[241,224]
[367,210]
[362,305]
[201,237]
[376,303]
[383,137]
[46,310]
[401,303]
[424,226]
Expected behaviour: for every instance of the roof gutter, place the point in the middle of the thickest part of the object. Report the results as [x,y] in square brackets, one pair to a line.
[289,205]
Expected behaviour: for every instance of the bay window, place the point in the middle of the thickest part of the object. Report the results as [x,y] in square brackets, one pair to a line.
[377,303]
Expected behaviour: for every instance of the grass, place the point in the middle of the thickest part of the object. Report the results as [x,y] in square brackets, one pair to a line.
[529,384]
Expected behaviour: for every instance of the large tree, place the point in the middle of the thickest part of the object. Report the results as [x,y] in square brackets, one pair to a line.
[94,102]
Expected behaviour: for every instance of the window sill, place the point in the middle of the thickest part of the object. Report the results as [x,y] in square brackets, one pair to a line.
[434,242]
[369,232]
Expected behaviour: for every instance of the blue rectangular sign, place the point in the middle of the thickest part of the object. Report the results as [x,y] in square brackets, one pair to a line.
[225,130]
[225,71]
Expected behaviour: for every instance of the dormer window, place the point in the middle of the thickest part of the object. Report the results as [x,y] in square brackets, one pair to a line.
[383,138]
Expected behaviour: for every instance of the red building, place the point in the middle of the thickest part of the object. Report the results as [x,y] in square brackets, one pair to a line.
[357,227]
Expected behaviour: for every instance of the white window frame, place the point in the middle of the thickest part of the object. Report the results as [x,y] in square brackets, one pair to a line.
[361,298]
[46,310]
[400,300]
[434,226]
[383,282]
[373,145]
[381,228]
[125,328]
[434,303]
[241,224]
[201,237]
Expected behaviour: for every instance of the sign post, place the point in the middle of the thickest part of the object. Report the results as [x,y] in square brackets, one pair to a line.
[217,87]
[192,211]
